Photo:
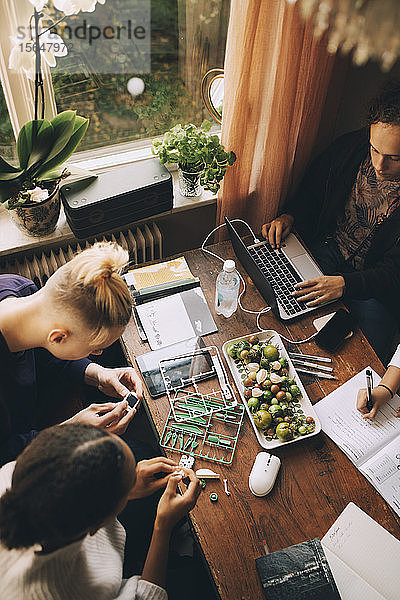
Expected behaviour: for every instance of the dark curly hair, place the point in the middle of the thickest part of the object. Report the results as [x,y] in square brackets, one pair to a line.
[69,479]
[385,108]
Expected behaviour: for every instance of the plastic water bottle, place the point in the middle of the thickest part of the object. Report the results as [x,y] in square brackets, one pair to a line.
[227,290]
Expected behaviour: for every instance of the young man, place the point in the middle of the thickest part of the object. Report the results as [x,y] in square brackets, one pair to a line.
[347,212]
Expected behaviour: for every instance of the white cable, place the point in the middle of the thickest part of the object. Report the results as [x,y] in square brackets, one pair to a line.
[284,337]
[252,312]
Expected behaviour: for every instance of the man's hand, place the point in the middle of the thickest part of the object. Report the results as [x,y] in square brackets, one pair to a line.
[112,416]
[173,506]
[380,396]
[146,470]
[319,290]
[278,229]
[114,382]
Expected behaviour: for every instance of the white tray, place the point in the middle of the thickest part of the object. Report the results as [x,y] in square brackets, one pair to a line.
[274,338]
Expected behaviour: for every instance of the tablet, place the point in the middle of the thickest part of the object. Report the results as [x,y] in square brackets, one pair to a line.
[178,371]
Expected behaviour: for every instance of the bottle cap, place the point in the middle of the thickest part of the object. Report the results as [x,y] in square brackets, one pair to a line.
[229,266]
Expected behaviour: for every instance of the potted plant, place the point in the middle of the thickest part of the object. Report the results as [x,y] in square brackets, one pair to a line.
[201,158]
[30,189]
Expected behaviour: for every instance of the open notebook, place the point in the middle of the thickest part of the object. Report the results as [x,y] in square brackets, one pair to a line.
[373,446]
[364,558]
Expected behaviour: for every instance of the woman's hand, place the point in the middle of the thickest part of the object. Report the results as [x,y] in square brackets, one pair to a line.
[319,290]
[278,229]
[380,396]
[173,506]
[114,382]
[146,471]
[112,416]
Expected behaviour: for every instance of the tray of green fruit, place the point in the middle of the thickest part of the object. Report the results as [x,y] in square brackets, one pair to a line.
[274,397]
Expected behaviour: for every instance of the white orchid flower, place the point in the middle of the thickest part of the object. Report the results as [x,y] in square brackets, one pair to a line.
[73,7]
[38,194]
[38,4]
[20,60]
[52,46]
[22,57]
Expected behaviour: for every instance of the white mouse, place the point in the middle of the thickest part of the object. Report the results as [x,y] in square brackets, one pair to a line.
[263,474]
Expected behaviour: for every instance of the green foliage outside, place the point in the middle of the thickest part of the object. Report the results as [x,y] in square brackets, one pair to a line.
[116,116]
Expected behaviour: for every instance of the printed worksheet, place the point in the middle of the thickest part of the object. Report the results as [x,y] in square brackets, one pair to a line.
[373,446]
[383,471]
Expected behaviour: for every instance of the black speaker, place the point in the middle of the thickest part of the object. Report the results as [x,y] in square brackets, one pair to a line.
[117,198]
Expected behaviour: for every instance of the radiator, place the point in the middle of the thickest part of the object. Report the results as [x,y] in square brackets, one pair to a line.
[143,243]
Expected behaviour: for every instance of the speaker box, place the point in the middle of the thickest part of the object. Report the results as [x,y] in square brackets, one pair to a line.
[117,198]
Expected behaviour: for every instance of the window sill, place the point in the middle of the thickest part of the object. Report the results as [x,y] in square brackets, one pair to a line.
[14,241]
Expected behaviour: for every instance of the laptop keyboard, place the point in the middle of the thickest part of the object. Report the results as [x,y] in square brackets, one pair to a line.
[281,275]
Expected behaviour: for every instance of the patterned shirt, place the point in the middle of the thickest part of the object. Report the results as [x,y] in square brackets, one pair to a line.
[370,203]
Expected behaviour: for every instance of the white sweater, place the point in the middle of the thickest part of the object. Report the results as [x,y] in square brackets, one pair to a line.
[90,569]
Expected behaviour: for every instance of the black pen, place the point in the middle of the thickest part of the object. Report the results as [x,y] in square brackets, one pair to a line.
[368,376]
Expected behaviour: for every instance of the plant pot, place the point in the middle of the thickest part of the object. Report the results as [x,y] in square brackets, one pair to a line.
[189,183]
[39,218]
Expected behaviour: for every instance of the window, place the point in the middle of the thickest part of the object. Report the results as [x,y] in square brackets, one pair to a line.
[176,42]
[7,140]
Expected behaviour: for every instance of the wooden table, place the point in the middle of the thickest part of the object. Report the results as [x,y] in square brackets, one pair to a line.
[316,479]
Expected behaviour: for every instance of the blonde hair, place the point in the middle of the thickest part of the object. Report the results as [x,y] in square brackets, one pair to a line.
[91,285]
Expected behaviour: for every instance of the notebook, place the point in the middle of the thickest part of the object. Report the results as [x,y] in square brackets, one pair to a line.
[276,271]
[169,304]
[364,558]
[373,446]
[176,318]
[357,559]
[299,572]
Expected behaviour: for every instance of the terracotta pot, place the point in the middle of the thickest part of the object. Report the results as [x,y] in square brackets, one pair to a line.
[38,219]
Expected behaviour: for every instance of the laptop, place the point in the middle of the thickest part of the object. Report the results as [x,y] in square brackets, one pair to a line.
[276,271]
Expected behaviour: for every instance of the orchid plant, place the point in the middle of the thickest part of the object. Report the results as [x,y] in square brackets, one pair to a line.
[47,45]
[42,145]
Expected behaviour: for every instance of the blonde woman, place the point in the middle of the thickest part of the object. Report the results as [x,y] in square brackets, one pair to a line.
[47,334]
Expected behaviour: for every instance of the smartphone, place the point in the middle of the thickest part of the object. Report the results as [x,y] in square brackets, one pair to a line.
[335,331]
[132,400]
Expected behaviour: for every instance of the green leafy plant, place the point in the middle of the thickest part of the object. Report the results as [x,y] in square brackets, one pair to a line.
[42,147]
[195,151]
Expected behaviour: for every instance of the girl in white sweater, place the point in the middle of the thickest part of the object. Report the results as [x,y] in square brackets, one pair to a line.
[59,536]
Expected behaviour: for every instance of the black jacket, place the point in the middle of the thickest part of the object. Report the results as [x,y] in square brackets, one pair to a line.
[321,199]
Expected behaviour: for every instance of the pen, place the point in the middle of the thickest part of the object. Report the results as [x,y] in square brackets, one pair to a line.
[309,356]
[315,373]
[368,377]
[305,363]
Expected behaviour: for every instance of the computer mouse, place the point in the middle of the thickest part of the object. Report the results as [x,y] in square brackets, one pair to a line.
[263,474]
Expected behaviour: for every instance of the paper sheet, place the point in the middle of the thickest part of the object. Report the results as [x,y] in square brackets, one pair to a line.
[176,318]
[358,438]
